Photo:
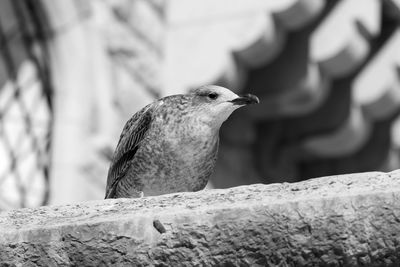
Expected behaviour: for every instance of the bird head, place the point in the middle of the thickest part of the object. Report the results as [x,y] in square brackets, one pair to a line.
[217,103]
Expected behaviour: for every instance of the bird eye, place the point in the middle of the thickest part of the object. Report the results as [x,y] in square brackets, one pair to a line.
[213,96]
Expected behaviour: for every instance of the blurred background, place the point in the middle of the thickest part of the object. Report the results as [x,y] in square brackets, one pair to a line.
[73,71]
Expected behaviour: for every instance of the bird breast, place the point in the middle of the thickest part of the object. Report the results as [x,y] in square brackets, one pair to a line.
[182,159]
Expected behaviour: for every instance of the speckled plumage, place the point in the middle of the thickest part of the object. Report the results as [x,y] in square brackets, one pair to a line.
[171,144]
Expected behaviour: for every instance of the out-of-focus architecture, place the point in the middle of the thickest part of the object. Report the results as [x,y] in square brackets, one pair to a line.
[26,106]
[327,74]
[107,62]
[103,61]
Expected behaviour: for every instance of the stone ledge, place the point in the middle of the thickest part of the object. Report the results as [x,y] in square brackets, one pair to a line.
[347,220]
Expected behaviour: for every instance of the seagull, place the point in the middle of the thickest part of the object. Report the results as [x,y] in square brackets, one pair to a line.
[171,144]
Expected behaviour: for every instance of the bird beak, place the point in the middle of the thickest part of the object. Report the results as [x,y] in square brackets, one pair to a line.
[245,100]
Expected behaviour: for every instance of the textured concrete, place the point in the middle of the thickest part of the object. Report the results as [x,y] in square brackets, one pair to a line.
[349,220]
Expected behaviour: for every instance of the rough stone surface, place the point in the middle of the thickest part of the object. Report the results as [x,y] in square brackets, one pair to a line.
[348,220]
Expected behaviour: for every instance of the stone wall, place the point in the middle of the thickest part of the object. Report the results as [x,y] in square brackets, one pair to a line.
[349,220]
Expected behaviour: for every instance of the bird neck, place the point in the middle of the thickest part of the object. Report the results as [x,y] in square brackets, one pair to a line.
[213,122]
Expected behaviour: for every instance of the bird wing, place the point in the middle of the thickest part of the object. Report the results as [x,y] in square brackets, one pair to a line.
[129,141]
